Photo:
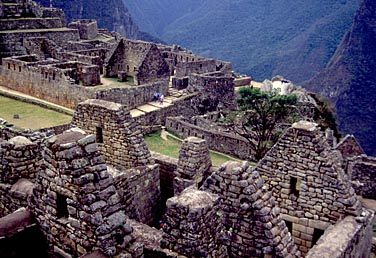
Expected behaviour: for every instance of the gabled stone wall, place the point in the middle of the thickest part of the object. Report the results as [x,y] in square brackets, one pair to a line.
[118,135]
[349,147]
[306,179]
[141,60]
[252,220]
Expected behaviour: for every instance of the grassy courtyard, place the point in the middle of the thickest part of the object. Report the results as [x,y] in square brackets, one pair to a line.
[30,116]
[171,147]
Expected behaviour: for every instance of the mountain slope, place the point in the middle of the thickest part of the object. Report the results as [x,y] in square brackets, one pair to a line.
[261,38]
[350,80]
[111,14]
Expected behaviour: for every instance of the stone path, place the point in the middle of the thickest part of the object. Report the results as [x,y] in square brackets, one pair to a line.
[172,95]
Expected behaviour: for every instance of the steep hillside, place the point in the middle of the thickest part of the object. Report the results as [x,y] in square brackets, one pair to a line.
[261,38]
[111,14]
[350,79]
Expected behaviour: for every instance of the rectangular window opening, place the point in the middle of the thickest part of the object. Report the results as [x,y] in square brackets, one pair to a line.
[289,226]
[99,135]
[317,233]
[62,206]
[295,185]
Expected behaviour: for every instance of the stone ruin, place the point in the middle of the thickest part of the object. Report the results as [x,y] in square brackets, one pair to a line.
[95,190]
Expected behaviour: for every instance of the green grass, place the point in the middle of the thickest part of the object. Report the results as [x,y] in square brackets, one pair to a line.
[114,81]
[30,116]
[172,146]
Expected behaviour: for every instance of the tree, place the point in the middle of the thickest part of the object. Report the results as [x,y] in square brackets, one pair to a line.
[258,115]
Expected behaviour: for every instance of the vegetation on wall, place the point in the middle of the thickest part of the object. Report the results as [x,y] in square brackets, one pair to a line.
[258,117]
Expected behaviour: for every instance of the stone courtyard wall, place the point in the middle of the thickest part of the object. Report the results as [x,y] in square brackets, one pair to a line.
[351,237]
[222,142]
[362,173]
[199,67]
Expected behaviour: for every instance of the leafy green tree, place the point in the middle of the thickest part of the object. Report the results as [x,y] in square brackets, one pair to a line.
[258,116]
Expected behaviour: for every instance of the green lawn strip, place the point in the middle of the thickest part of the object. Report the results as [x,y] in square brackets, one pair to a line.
[30,116]
[172,146]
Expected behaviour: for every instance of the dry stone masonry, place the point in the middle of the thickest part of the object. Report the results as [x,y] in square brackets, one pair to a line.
[82,182]
[75,200]
[193,225]
[311,189]
[118,136]
[193,166]
[252,220]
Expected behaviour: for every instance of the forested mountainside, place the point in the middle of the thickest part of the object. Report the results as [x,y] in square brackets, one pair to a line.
[261,38]
[350,80]
[110,14]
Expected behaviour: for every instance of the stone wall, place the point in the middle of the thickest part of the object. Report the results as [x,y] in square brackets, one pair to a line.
[308,182]
[167,166]
[253,226]
[139,189]
[362,173]
[12,40]
[182,106]
[75,201]
[222,142]
[44,82]
[199,67]
[193,225]
[132,96]
[351,237]
[193,165]
[14,197]
[19,158]
[349,147]
[217,91]
[118,135]
[34,23]
[88,29]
